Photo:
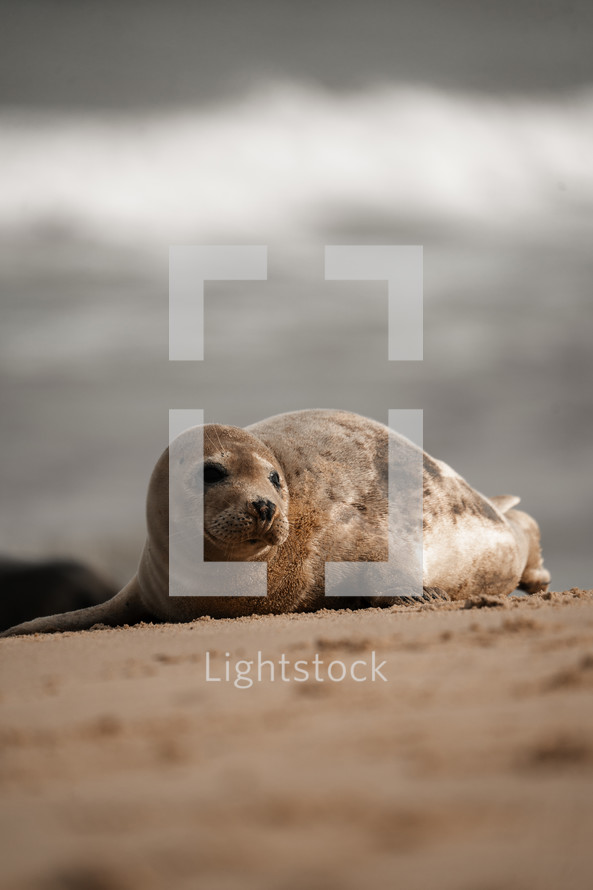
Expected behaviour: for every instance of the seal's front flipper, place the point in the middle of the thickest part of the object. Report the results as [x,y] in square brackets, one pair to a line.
[428,595]
[435,594]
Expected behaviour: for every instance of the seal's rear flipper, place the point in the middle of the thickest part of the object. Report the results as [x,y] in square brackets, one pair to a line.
[535,578]
[124,608]
[504,502]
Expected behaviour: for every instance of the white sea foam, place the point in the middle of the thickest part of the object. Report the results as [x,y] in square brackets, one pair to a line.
[287,160]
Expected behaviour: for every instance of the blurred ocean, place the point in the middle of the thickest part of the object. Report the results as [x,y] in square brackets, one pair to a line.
[127,127]
[295,161]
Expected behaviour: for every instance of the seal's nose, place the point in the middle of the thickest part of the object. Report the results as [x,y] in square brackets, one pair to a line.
[265,509]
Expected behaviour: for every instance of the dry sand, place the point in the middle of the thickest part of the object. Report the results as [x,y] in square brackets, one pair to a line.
[470,767]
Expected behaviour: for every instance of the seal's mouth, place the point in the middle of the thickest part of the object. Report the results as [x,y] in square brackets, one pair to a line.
[258,547]
[236,550]
[252,541]
[264,540]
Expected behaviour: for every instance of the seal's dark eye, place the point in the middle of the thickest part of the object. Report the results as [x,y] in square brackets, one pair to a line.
[213,473]
[274,479]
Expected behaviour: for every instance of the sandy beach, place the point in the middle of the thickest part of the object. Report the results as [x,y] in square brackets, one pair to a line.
[129,761]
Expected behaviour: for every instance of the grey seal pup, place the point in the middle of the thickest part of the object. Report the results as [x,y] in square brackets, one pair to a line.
[302,488]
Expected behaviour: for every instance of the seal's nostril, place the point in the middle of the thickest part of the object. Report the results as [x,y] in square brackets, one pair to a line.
[265,509]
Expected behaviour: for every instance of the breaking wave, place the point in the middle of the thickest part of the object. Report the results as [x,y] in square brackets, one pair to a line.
[285,160]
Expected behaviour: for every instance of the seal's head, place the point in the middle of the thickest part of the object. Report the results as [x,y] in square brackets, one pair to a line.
[245,496]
